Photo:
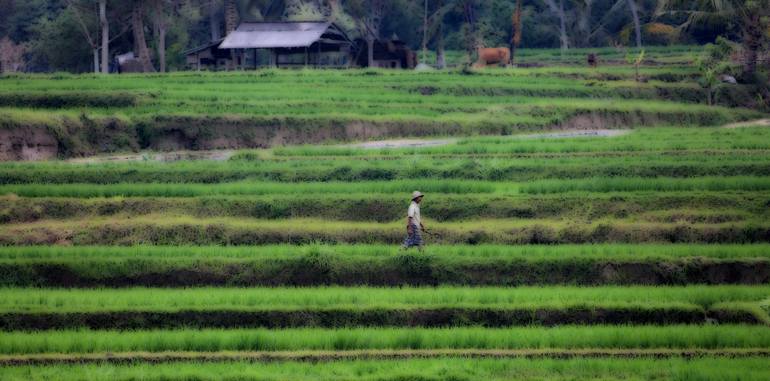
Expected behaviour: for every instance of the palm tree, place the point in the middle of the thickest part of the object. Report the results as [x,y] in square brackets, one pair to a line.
[751,16]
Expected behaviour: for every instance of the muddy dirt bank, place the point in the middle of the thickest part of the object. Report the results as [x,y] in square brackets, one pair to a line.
[84,137]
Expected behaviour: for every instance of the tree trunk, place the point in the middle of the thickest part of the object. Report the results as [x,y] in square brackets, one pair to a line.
[558,9]
[214,21]
[162,47]
[231,23]
[96,60]
[105,27]
[472,42]
[512,42]
[425,31]
[637,24]
[140,44]
[563,27]
[440,56]
[584,23]
[370,51]
[752,41]
[231,16]
[160,26]
[371,27]
[516,31]
[751,57]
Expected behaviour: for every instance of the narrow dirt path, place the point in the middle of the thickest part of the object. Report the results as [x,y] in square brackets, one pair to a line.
[403,143]
[418,143]
[574,134]
[751,123]
[223,155]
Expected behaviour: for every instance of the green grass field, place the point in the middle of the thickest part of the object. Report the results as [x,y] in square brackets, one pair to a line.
[341,307]
[206,226]
[213,340]
[384,265]
[749,369]
[35,300]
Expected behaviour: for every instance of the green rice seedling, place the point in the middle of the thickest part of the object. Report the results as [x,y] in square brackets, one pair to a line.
[150,299]
[140,308]
[381,265]
[565,337]
[654,185]
[454,186]
[452,252]
[249,188]
[396,104]
[404,166]
[673,207]
[640,140]
[668,152]
[706,369]
[160,229]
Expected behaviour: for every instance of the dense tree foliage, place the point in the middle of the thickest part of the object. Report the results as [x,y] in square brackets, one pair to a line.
[72,35]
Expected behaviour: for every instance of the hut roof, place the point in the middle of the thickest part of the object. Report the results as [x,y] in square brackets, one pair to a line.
[203,47]
[278,34]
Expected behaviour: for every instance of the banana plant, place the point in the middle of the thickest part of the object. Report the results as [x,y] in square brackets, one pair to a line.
[751,17]
[636,61]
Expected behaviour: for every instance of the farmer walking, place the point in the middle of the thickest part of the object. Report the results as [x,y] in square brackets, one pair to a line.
[414,226]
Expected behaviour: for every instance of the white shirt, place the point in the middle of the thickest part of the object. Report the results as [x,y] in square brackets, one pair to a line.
[414,212]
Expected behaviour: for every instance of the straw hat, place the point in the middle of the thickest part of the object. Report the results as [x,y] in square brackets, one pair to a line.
[417,194]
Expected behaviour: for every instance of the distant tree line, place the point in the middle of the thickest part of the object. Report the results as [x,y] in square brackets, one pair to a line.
[85,35]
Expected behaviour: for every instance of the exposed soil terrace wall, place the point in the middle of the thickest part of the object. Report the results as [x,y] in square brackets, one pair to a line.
[77,137]
[338,318]
[385,208]
[27,144]
[220,233]
[405,270]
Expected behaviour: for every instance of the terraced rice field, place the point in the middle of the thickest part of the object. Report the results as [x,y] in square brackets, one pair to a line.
[642,255]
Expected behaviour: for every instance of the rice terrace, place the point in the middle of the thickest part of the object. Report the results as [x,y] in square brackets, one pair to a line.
[385,190]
